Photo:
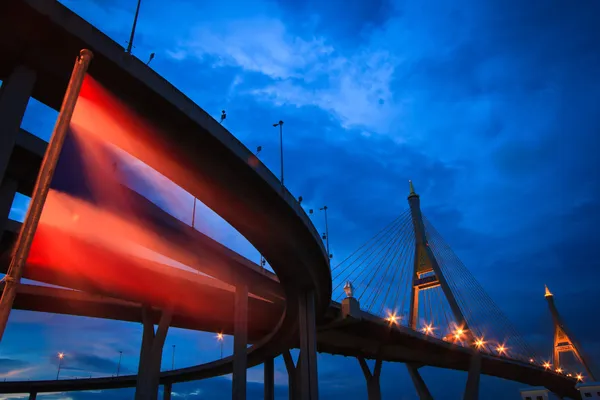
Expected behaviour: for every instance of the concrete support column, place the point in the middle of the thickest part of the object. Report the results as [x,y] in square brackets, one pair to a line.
[269,379]
[373,386]
[148,378]
[8,189]
[32,396]
[419,383]
[240,342]
[472,387]
[307,363]
[14,97]
[293,376]
[167,389]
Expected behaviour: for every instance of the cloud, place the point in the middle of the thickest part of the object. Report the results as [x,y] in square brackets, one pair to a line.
[12,368]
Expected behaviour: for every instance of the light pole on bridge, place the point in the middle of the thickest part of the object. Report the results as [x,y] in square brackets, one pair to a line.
[280,125]
[60,358]
[326,235]
[220,338]
[173,359]
[135,18]
[119,364]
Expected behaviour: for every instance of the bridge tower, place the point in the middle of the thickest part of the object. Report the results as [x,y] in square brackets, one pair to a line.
[427,273]
[564,341]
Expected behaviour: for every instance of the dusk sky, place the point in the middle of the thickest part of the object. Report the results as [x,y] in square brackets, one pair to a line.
[492,108]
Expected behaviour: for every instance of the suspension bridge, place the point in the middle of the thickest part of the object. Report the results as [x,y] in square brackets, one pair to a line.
[403,296]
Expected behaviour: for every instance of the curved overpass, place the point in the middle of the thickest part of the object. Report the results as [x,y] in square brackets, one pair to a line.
[367,336]
[201,156]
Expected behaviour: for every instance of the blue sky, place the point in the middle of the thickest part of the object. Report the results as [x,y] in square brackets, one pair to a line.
[491,108]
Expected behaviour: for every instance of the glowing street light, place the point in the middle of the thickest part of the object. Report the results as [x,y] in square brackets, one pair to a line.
[501,349]
[428,329]
[547,365]
[479,342]
[60,358]
[392,319]
[221,339]
[559,370]
[531,360]
[579,377]
[458,333]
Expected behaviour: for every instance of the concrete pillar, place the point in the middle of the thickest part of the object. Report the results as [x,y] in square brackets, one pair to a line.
[472,387]
[148,379]
[373,386]
[8,189]
[269,379]
[240,342]
[307,363]
[167,389]
[14,97]
[32,396]
[419,383]
[293,376]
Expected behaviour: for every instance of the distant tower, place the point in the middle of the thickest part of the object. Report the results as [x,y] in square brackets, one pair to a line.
[563,340]
[426,272]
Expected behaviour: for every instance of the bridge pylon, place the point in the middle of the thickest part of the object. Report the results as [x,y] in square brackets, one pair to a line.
[427,273]
[564,341]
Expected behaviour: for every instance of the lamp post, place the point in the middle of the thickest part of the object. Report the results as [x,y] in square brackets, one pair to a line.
[221,339]
[194,213]
[173,359]
[280,125]
[119,364]
[326,236]
[135,18]
[60,358]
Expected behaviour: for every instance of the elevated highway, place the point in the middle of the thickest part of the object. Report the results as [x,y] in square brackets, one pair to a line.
[39,41]
[366,336]
[207,161]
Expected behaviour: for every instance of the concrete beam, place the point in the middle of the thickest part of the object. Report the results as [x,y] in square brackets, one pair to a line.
[420,386]
[472,387]
[148,378]
[167,389]
[292,375]
[307,363]
[8,189]
[269,379]
[240,342]
[373,381]
[14,97]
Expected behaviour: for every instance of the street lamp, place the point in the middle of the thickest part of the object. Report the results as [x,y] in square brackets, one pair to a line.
[258,150]
[135,18]
[326,235]
[119,364]
[220,338]
[223,116]
[173,359]
[60,358]
[280,125]
[194,213]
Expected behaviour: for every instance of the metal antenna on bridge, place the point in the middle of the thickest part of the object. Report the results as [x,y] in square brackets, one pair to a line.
[135,18]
